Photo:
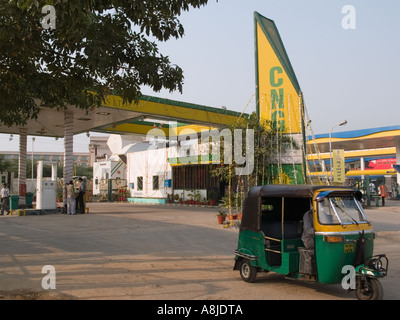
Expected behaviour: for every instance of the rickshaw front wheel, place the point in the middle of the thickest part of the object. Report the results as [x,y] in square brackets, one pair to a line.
[247,271]
[369,289]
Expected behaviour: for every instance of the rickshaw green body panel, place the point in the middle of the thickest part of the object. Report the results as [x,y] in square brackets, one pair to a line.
[252,243]
[331,257]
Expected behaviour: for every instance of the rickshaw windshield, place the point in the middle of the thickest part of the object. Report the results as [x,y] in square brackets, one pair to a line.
[340,210]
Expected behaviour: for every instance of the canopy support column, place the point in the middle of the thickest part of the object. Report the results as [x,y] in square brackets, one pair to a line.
[23,133]
[68,149]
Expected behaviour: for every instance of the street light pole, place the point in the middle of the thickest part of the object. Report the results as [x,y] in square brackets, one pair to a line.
[33,141]
[343,123]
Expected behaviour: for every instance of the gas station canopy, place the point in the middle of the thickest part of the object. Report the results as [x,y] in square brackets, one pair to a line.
[366,139]
[118,118]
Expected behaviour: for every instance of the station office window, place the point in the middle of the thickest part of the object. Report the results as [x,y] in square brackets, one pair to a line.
[140,183]
[156,184]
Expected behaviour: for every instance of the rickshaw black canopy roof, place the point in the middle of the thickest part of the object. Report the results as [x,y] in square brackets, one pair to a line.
[252,205]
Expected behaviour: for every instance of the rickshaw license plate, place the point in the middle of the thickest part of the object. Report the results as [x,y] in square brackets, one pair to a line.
[348,248]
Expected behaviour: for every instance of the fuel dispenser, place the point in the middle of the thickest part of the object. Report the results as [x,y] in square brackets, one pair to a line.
[46,188]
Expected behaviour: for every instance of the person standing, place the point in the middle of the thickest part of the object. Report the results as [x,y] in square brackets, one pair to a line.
[308,230]
[5,199]
[71,203]
[372,188]
[80,204]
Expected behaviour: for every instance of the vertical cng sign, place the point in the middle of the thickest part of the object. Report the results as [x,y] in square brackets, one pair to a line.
[278,93]
[277,89]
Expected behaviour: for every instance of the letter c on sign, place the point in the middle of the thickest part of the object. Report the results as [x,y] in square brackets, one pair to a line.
[272,73]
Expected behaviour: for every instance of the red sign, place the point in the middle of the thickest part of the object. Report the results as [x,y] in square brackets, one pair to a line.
[381,164]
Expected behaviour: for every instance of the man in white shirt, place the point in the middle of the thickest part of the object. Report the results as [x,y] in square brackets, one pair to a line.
[372,188]
[5,199]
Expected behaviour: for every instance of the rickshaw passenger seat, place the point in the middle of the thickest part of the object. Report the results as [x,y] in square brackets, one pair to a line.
[274,230]
[291,230]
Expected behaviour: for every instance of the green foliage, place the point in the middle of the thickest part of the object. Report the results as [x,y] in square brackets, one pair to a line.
[83,172]
[12,166]
[97,48]
[212,194]
[6,165]
[232,200]
[221,213]
[265,151]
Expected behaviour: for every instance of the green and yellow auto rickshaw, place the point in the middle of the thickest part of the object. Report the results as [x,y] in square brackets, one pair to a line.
[271,232]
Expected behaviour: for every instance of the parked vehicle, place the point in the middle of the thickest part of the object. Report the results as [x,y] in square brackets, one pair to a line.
[272,228]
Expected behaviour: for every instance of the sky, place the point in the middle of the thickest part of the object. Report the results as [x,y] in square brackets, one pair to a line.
[345,74]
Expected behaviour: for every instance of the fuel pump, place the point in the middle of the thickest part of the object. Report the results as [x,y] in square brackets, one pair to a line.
[46,188]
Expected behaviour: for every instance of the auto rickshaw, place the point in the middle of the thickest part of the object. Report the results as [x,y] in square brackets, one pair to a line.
[270,238]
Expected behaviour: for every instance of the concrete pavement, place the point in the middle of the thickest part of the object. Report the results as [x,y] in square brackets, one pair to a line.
[136,252]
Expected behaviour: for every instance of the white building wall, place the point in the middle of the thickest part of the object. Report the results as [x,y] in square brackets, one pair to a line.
[147,164]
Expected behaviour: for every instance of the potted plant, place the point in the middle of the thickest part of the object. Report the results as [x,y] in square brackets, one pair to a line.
[221,216]
[191,197]
[212,196]
[227,202]
[197,198]
[176,197]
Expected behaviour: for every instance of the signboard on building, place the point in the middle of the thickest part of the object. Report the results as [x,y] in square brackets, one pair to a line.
[339,174]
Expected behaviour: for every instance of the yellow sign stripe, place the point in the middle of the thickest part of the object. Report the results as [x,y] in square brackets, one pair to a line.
[183,113]
[357,154]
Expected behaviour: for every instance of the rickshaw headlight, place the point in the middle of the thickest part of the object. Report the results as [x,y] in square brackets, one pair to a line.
[334,239]
[375,264]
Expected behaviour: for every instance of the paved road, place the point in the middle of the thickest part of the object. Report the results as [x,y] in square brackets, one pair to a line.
[126,251]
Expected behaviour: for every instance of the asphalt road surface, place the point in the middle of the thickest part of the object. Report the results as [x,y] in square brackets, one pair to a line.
[136,252]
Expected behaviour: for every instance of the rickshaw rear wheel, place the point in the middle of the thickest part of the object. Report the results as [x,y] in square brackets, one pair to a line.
[247,271]
[369,289]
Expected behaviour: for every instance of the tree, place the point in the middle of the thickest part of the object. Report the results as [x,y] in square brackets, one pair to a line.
[269,144]
[95,48]
[5,165]
[84,171]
